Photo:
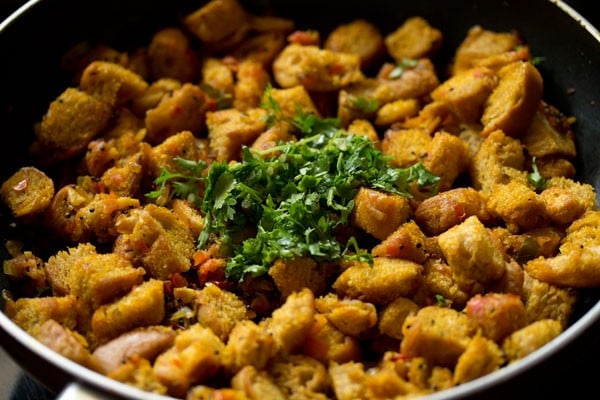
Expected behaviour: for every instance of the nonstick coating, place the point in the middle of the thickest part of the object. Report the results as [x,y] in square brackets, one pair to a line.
[33,39]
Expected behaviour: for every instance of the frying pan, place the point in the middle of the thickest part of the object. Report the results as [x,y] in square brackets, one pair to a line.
[35,36]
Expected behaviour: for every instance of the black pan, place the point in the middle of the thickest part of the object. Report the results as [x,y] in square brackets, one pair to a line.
[33,39]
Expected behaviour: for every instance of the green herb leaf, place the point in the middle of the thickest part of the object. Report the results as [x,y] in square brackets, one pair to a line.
[538,60]
[290,200]
[536,179]
[441,301]
[310,124]
[364,105]
[185,184]
[401,66]
[357,254]
[274,112]
[222,99]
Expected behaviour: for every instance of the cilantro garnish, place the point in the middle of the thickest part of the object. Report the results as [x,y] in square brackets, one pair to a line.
[274,112]
[401,66]
[222,99]
[185,184]
[538,60]
[364,105]
[441,300]
[535,178]
[288,201]
[306,123]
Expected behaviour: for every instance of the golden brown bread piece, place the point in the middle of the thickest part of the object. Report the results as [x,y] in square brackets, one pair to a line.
[365,128]
[382,283]
[357,37]
[28,313]
[392,316]
[316,69]
[347,380]
[256,384]
[415,38]
[216,21]
[272,137]
[154,238]
[466,92]
[294,98]
[379,213]
[138,372]
[248,344]
[66,342]
[297,273]
[184,109]
[28,192]
[143,306]
[405,146]
[396,111]
[351,317]
[71,122]
[530,338]
[170,55]
[251,80]
[407,242]
[303,375]
[193,358]
[481,45]
[446,209]
[146,342]
[472,251]
[549,133]
[513,103]
[544,300]
[325,343]
[499,160]
[112,83]
[481,357]
[229,129]
[153,95]
[438,334]
[518,204]
[497,315]
[447,157]
[220,310]
[577,264]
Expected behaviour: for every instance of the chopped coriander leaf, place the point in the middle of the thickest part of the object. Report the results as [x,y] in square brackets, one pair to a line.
[222,99]
[274,112]
[310,124]
[357,254]
[535,178]
[290,202]
[306,123]
[185,184]
[538,60]
[365,105]
[401,66]
[441,301]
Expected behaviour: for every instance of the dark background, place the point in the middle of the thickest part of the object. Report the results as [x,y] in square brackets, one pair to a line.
[577,377]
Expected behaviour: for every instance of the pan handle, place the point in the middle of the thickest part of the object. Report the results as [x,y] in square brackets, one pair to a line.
[78,391]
